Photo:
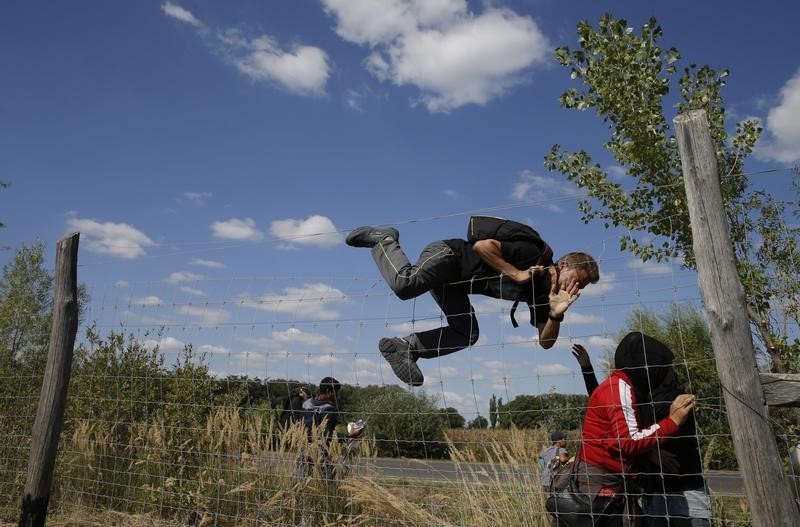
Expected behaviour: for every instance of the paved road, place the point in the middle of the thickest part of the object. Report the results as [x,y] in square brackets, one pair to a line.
[723,483]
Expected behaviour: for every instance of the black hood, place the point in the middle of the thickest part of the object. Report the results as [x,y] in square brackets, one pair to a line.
[646,361]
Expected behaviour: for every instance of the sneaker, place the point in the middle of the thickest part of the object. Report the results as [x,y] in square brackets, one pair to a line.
[397,353]
[370,236]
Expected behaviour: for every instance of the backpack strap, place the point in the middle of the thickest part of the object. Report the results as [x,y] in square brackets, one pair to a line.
[514,310]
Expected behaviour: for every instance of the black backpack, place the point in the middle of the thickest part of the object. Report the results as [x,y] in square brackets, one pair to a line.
[504,230]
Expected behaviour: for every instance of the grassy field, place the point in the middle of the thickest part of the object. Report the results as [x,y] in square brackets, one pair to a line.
[150,474]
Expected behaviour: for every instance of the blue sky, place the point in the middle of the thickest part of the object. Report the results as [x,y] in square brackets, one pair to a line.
[212,154]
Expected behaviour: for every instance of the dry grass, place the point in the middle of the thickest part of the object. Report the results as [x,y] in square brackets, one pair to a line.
[233,472]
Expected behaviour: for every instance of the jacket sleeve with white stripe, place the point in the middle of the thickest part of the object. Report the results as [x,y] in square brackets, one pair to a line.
[632,440]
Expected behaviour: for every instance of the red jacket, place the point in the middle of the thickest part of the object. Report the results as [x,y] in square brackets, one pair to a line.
[611,437]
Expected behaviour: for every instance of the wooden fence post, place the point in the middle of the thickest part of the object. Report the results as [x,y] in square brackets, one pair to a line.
[52,400]
[771,503]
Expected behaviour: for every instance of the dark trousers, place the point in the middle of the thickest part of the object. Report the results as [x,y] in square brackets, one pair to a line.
[608,512]
[435,271]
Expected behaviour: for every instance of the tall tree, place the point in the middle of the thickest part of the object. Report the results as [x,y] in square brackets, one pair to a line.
[479,423]
[25,304]
[451,418]
[493,411]
[626,77]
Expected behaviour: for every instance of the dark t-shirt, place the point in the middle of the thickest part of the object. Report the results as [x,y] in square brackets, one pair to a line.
[487,281]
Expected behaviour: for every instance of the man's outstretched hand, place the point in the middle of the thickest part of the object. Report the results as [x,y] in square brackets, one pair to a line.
[562,295]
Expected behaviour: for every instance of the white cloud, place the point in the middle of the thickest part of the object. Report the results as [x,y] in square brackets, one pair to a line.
[443,372]
[366,364]
[166,344]
[603,286]
[309,301]
[205,315]
[487,305]
[197,198]
[211,264]
[376,22]
[250,362]
[117,239]
[210,350]
[236,229]
[314,230]
[543,189]
[452,398]
[363,377]
[450,193]
[192,291]
[552,369]
[420,325]
[298,336]
[576,318]
[181,277]
[599,342]
[783,126]
[650,268]
[322,360]
[147,301]
[177,12]
[353,99]
[454,57]
[121,283]
[302,69]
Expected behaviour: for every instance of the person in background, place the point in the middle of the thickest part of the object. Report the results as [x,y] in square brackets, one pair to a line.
[322,411]
[556,452]
[293,410]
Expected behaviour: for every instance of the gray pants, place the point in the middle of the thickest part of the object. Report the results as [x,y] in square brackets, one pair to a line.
[435,271]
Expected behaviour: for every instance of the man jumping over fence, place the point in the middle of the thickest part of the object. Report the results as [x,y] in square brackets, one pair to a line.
[501,259]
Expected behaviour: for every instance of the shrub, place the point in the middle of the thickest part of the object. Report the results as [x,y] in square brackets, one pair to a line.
[404,424]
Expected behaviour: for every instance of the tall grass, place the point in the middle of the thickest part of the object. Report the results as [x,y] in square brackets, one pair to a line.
[238,470]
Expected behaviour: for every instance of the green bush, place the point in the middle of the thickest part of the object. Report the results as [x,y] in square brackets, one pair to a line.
[404,424]
[551,411]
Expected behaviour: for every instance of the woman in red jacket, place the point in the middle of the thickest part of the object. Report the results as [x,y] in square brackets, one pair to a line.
[612,438]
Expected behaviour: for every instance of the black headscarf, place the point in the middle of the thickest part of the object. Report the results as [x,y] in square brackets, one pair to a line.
[646,361]
[655,399]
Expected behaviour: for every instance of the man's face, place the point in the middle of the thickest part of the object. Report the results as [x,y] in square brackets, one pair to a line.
[568,273]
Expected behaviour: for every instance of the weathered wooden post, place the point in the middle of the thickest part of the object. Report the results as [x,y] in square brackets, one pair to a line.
[52,400]
[767,490]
